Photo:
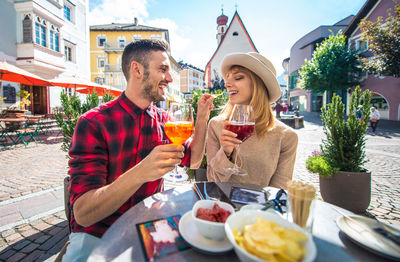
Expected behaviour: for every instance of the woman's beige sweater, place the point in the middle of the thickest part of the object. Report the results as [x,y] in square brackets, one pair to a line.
[269,161]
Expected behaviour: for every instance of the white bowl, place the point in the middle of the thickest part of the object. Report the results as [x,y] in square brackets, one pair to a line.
[251,207]
[209,229]
[239,219]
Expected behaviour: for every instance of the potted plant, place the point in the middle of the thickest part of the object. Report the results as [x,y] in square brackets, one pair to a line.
[24,96]
[343,179]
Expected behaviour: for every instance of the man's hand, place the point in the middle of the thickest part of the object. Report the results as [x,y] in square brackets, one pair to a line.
[204,107]
[161,160]
[228,140]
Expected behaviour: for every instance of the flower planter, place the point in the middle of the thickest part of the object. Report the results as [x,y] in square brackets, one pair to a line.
[349,190]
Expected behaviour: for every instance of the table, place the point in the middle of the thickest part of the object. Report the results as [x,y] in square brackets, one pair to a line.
[122,238]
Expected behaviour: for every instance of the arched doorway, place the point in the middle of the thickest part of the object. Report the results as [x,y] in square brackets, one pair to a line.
[379,102]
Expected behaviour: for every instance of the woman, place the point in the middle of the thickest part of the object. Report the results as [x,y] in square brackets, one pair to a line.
[269,155]
[374,119]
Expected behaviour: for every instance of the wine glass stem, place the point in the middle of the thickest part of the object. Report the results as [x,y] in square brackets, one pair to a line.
[236,157]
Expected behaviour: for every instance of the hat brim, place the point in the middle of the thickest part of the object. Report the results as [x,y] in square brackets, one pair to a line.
[257,67]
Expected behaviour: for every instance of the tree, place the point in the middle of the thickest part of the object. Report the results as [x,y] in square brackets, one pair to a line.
[72,110]
[384,43]
[333,66]
[217,83]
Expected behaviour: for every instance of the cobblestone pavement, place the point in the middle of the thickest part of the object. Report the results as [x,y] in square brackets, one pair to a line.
[43,166]
[383,155]
[25,170]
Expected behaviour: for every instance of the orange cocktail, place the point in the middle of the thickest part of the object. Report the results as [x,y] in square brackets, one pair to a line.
[179,131]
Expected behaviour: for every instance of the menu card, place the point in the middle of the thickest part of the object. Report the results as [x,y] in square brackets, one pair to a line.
[161,237]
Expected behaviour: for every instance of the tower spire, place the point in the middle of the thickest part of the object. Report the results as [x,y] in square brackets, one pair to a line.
[221,25]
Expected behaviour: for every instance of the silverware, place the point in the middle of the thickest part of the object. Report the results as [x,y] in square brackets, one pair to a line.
[388,228]
[366,228]
[388,232]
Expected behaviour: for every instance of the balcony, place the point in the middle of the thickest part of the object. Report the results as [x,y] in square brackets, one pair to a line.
[112,68]
[114,47]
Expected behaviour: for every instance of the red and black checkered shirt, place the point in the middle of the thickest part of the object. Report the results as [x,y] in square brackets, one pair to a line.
[109,140]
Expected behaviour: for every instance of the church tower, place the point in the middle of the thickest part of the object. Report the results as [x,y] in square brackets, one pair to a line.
[221,26]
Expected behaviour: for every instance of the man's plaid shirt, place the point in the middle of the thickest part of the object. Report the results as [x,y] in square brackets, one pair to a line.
[108,141]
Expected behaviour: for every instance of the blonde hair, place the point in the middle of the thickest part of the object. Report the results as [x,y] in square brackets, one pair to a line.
[263,115]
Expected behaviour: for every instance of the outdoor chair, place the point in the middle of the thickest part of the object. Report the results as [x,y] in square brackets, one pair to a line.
[28,134]
[4,135]
[67,208]
[67,205]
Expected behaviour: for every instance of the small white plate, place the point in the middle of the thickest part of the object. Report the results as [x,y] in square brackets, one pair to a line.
[189,232]
[364,238]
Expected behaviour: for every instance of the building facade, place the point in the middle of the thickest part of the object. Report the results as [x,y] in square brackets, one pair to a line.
[48,38]
[385,89]
[233,38]
[173,92]
[305,100]
[191,78]
[107,43]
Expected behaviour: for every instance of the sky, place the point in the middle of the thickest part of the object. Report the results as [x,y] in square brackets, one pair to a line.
[274,26]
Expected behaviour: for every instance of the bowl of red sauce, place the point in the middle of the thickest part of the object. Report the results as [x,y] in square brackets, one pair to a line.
[209,217]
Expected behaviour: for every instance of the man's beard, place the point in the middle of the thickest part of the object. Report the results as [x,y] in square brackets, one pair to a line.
[148,91]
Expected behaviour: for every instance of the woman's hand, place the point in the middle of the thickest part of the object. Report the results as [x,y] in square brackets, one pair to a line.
[204,107]
[228,141]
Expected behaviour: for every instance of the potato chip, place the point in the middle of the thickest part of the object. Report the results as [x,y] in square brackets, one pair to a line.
[270,241]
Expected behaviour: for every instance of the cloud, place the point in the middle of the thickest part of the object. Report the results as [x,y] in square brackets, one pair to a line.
[118,11]
[126,11]
[178,43]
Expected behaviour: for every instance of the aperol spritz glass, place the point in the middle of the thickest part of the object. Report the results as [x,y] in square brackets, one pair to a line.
[178,129]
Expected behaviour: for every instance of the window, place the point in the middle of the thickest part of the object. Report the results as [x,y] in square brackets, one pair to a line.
[68,53]
[136,38]
[99,80]
[361,46]
[155,37]
[101,40]
[67,13]
[40,32]
[69,91]
[27,29]
[121,43]
[54,39]
[101,62]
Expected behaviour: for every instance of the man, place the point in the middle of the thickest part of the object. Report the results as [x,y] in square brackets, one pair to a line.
[115,161]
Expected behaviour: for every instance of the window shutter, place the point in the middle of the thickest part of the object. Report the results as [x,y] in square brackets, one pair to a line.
[27,29]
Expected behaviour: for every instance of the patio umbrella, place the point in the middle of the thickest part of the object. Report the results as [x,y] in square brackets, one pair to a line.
[100,89]
[72,82]
[15,74]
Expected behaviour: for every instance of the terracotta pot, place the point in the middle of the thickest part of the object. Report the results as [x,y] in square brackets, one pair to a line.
[349,190]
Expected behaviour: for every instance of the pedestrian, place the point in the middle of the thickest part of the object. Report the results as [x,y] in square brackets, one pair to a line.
[374,119]
[268,156]
[117,158]
[359,112]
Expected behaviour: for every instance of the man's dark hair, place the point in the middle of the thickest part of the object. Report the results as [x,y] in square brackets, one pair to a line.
[139,51]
